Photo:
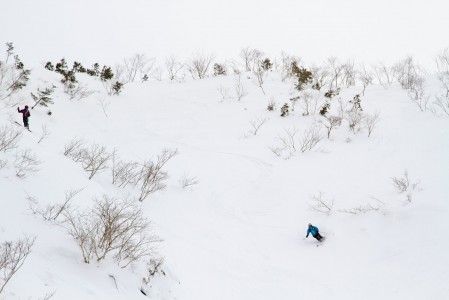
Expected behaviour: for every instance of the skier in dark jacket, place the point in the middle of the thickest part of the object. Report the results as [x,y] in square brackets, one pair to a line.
[313,230]
[25,114]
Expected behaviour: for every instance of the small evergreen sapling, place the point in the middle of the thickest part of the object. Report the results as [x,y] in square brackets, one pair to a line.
[219,70]
[43,97]
[284,110]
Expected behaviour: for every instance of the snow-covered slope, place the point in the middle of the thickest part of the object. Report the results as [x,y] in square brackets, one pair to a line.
[240,232]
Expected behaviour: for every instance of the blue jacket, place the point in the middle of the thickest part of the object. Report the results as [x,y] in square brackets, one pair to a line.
[312,230]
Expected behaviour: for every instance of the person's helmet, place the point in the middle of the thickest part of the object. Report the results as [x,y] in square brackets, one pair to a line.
[310,224]
[26,106]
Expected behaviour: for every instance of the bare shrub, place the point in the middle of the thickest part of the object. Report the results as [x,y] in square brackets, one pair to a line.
[224,92]
[286,143]
[113,226]
[440,101]
[330,122]
[123,172]
[403,184]
[175,69]
[95,159]
[3,163]
[9,137]
[361,209]
[321,76]
[12,257]
[104,104]
[48,295]
[256,124]
[44,133]
[239,88]
[354,118]
[51,212]
[26,162]
[152,176]
[320,204]
[271,105]
[75,150]
[310,138]
[79,92]
[371,121]
[186,181]
[199,65]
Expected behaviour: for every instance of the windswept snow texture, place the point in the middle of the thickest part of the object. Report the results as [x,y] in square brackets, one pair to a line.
[239,233]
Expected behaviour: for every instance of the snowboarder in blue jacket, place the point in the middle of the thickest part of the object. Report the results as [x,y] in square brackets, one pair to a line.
[313,230]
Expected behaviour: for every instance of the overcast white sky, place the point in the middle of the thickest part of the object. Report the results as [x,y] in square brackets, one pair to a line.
[108,30]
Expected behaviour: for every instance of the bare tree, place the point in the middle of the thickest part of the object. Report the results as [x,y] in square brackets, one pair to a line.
[440,101]
[330,122]
[44,133]
[52,211]
[442,62]
[187,181]
[336,70]
[26,162]
[123,172]
[95,159]
[321,76]
[310,138]
[239,88]
[152,176]
[286,65]
[199,65]
[366,77]
[258,69]
[247,57]
[371,122]
[175,69]
[416,93]
[12,257]
[320,204]
[9,137]
[256,124]
[349,73]
[309,102]
[138,64]
[408,73]
[384,74]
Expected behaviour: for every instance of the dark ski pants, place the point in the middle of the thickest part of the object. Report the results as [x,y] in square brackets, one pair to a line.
[318,236]
[25,122]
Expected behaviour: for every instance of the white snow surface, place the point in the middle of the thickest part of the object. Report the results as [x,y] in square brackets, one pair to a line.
[240,232]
